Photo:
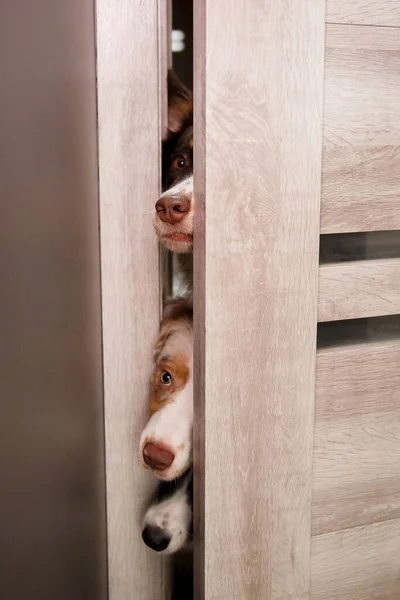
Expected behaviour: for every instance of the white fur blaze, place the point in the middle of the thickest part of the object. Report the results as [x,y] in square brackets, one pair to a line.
[171,426]
[166,231]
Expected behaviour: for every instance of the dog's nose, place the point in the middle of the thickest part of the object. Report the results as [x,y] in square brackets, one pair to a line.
[172,209]
[156,538]
[157,457]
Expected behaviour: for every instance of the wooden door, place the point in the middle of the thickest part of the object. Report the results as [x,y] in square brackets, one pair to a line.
[297,297]
[297,293]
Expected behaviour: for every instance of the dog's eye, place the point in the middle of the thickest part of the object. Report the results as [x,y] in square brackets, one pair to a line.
[179,162]
[166,378]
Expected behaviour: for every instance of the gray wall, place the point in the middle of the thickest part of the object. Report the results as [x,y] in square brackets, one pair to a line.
[52,498]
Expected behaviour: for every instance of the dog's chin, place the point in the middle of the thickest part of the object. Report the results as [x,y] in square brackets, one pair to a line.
[180,243]
[176,241]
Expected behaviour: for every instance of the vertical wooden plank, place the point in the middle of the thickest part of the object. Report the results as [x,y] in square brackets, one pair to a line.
[129,173]
[258,130]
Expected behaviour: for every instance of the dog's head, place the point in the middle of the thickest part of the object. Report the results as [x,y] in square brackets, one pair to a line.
[166,441]
[173,219]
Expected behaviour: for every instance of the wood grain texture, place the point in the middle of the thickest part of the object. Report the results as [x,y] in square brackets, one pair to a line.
[357,564]
[356,473]
[364,12]
[129,143]
[357,289]
[361,159]
[258,94]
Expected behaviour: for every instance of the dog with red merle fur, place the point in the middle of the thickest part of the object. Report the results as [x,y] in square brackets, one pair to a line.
[166,440]
[174,210]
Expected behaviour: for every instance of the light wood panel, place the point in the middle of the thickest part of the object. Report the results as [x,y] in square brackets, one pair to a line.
[364,12]
[361,159]
[361,288]
[129,146]
[357,564]
[258,94]
[356,474]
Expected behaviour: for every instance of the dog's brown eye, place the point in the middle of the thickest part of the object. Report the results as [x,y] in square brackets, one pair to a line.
[179,162]
[166,378]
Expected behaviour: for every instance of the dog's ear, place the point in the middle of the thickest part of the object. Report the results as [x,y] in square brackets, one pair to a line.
[162,338]
[180,104]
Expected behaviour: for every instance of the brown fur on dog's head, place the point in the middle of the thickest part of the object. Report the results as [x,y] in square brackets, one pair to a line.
[176,310]
[180,105]
[177,172]
[178,141]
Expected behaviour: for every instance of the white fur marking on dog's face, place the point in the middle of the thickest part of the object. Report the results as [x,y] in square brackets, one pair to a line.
[182,188]
[174,516]
[178,237]
[172,422]
[171,426]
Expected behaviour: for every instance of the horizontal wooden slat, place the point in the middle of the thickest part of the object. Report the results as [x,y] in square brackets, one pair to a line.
[356,474]
[364,12]
[357,564]
[361,158]
[356,289]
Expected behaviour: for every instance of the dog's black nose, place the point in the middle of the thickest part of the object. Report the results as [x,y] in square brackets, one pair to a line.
[156,538]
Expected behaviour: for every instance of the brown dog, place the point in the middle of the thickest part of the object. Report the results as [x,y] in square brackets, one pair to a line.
[173,220]
[166,441]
